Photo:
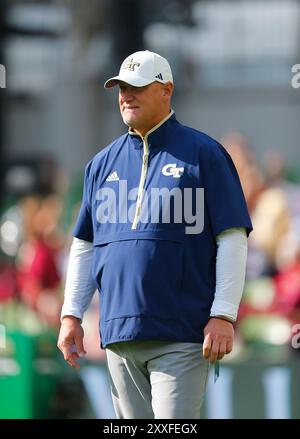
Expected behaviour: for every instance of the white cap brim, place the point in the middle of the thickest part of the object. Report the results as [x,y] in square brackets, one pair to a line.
[136,82]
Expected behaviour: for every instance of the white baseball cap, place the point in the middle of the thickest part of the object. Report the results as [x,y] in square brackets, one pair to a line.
[142,68]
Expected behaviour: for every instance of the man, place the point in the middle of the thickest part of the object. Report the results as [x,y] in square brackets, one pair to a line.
[162,233]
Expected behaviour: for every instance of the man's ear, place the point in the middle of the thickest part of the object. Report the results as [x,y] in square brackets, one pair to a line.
[168,89]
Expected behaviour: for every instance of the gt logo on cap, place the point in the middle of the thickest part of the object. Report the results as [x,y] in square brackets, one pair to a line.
[130,64]
[171,169]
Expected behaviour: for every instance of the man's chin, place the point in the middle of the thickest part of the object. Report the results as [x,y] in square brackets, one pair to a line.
[129,122]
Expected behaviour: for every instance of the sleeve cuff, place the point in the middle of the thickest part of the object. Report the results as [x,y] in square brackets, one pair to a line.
[222,308]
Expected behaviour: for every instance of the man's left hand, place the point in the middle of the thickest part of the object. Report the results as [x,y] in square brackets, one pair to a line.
[218,339]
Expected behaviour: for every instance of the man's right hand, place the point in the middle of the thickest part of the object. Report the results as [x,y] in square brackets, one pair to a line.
[70,340]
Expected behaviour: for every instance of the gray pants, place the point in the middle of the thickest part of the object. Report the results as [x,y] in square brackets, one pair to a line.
[157,379]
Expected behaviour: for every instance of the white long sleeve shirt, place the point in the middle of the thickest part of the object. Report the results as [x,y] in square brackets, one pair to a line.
[230,275]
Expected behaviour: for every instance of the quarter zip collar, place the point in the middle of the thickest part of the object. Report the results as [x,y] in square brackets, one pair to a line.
[154,131]
[144,169]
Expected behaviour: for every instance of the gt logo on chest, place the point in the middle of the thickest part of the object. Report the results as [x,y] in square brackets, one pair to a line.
[171,169]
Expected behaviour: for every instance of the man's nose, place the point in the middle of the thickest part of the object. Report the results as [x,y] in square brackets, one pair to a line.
[127,94]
